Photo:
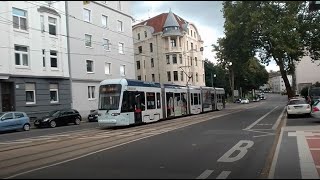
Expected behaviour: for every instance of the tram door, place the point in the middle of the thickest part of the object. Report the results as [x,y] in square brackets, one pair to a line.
[139,107]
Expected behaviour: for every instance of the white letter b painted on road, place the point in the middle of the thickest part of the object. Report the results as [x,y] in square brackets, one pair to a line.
[243,150]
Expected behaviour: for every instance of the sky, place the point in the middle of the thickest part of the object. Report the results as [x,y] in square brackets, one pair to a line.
[206,15]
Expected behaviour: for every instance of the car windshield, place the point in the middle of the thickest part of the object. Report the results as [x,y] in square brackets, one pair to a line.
[109,97]
[54,113]
[298,101]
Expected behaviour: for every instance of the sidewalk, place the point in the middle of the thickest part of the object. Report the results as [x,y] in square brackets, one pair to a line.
[297,154]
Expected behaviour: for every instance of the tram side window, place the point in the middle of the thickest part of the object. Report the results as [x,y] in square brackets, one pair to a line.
[199,99]
[128,101]
[191,98]
[196,99]
[158,101]
[151,100]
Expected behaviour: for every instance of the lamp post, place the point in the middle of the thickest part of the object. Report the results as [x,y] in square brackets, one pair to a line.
[232,79]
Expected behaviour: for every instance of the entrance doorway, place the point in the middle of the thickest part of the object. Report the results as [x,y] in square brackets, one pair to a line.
[7,96]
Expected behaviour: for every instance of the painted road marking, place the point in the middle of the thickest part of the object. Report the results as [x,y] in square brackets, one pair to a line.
[307,166]
[278,120]
[223,175]
[257,121]
[243,150]
[205,174]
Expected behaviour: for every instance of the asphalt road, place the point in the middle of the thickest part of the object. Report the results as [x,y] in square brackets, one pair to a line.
[226,144]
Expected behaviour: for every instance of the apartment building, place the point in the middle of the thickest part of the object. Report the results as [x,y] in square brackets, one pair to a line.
[34,71]
[277,84]
[168,49]
[101,47]
[307,73]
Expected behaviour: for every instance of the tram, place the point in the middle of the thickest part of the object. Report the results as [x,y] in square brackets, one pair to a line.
[123,102]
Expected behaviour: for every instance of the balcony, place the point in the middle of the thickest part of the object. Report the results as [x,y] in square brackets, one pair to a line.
[174,49]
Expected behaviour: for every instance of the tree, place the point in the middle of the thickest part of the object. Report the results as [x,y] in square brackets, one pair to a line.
[304,91]
[281,31]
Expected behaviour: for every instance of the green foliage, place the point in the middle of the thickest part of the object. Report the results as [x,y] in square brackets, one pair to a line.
[283,31]
[304,91]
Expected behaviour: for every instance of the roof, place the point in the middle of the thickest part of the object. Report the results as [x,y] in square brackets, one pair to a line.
[158,22]
[133,82]
[171,21]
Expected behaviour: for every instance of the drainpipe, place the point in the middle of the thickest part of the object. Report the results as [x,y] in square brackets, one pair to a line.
[68,47]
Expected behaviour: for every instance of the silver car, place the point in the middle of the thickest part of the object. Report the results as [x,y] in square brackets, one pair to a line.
[316,109]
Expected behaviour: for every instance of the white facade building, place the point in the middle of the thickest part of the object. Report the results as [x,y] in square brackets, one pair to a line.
[307,72]
[168,49]
[101,47]
[34,71]
[277,84]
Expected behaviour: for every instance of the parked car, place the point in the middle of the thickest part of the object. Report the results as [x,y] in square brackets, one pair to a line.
[93,116]
[297,106]
[245,101]
[14,121]
[237,101]
[59,117]
[256,99]
[316,109]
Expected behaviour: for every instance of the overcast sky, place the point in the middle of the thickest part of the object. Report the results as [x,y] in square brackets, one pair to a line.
[206,15]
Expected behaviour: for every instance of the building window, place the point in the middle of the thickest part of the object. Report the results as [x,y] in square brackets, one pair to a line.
[43,58]
[151,100]
[180,57]
[106,44]
[197,77]
[152,62]
[151,47]
[21,55]
[140,49]
[191,46]
[191,33]
[175,75]
[139,78]
[120,28]
[121,47]
[54,93]
[107,67]
[19,19]
[86,15]
[138,36]
[181,75]
[196,61]
[119,5]
[54,59]
[169,75]
[174,59]
[91,92]
[42,23]
[52,26]
[191,61]
[89,66]
[30,93]
[88,40]
[122,70]
[138,64]
[153,78]
[104,21]
[173,43]
[145,77]
[145,34]
[168,59]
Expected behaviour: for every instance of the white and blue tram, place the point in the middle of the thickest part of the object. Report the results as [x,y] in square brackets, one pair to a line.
[124,102]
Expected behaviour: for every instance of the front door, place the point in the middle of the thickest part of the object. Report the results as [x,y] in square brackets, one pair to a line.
[7,96]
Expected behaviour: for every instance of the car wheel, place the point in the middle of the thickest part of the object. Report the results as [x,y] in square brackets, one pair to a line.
[26,127]
[77,121]
[53,124]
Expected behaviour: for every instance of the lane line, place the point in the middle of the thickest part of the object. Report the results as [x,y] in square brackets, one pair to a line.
[275,157]
[223,175]
[257,121]
[278,120]
[205,174]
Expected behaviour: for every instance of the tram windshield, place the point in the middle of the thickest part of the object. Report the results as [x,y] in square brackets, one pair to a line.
[109,97]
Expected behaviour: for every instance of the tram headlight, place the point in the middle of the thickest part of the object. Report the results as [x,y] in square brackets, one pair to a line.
[115,114]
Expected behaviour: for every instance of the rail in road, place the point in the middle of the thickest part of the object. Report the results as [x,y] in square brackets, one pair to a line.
[30,154]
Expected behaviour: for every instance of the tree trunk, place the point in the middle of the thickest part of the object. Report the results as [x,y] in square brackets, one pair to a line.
[285,78]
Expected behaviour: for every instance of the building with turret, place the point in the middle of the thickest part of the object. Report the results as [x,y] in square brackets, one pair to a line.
[168,49]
